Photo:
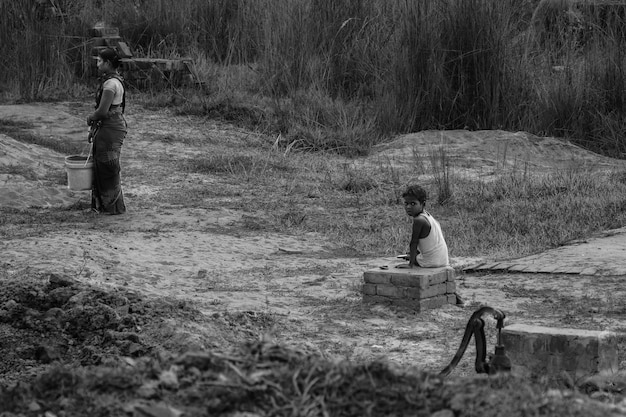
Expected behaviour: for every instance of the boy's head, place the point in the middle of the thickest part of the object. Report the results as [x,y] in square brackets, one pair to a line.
[415,192]
[414,200]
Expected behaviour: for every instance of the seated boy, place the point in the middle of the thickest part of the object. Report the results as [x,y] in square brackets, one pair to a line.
[428,248]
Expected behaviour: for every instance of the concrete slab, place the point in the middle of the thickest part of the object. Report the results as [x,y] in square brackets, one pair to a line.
[491,265]
[603,254]
[518,268]
[539,350]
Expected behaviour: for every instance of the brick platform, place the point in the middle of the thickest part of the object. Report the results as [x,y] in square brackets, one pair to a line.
[538,351]
[414,288]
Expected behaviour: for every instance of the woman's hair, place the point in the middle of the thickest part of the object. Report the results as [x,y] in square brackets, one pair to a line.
[111,56]
[416,191]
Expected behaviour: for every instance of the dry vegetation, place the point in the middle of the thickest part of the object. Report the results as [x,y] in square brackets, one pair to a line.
[345,75]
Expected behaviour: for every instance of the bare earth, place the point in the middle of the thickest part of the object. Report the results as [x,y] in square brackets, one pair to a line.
[203,254]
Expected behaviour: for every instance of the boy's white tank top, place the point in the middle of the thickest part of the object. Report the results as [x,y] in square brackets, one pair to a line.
[433,248]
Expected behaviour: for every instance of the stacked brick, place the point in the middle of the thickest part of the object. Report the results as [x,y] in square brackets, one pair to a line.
[414,288]
[545,351]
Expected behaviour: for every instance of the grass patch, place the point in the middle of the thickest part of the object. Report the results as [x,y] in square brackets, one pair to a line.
[358,206]
[518,214]
[26,172]
[20,132]
[246,165]
[13,125]
[356,203]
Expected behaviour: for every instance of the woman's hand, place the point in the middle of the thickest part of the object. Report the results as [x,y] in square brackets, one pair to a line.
[90,121]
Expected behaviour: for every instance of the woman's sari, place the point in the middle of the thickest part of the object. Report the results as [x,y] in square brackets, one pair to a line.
[106,193]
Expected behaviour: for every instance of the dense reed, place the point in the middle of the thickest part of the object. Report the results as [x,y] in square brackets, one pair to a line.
[405,65]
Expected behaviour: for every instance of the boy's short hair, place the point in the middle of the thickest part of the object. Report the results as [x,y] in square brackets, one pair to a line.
[416,191]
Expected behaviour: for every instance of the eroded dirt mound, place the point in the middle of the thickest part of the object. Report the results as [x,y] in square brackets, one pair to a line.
[485,152]
[32,176]
[49,318]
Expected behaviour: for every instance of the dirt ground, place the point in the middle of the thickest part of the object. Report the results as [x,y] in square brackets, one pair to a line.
[304,284]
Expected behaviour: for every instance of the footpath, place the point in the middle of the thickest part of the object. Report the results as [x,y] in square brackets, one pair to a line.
[603,254]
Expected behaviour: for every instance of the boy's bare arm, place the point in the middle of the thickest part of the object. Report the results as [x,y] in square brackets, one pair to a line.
[421,229]
[418,228]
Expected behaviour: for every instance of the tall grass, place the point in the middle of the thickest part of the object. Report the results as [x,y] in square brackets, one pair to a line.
[34,52]
[452,63]
[408,65]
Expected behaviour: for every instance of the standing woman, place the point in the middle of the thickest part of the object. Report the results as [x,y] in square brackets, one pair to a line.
[108,130]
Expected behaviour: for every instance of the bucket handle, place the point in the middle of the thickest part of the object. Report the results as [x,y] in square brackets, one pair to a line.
[89,155]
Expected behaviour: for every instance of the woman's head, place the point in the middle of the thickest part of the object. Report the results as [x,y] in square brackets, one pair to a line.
[110,57]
